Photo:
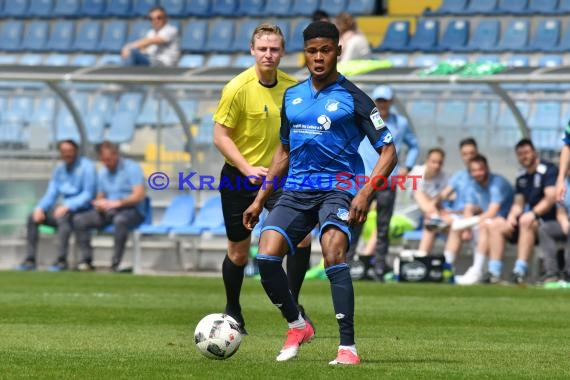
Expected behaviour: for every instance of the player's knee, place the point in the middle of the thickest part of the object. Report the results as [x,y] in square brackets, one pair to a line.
[238,257]
[334,257]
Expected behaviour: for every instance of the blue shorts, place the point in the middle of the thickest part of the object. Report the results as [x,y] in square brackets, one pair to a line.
[298,212]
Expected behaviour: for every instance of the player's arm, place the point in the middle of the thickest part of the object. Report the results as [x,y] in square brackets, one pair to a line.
[562,218]
[561,180]
[492,211]
[546,203]
[516,209]
[426,204]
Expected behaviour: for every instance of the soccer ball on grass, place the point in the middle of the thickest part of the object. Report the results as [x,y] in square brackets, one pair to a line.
[217,336]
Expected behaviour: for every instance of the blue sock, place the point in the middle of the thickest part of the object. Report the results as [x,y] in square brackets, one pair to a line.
[495,267]
[521,267]
[343,301]
[274,282]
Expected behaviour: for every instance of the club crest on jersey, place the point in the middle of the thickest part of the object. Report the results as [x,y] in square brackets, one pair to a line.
[296,101]
[324,121]
[342,214]
[332,105]
[376,119]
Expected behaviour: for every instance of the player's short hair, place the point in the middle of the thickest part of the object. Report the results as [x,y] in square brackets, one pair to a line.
[107,145]
[524,142]
[479,158]
[265,29]
[321,29]
[467,141]
[68,141]
[436,150]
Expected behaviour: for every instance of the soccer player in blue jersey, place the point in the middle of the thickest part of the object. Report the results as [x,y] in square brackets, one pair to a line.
[564,166]
[323,120]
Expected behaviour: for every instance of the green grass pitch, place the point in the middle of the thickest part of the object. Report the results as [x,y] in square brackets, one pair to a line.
[105,326]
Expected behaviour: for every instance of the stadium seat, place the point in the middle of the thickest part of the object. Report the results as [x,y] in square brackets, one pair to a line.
[113,37]
[334,7]
[457,59]
[57,60]
[425,38]
[564,44]
[361,7]
[130,102]
[137,30]
[304,8]
[179,213]
[92,8]
[563,7]
[219,60]
[44,111]
[544,122]
[481,113]
[146,222]
[250,8]
[192,61]
[296,40]
[515,38]
[122,128]
[15,9]
[243,36]
[67,8]
[422,112]
[484,38]
[173,8]
[103,104]
[547,7]
[426,60]
[450,7]
[278,8]
[149,112]
[84,60]
[549,61]
[220,36]
[30,59]
[205,133]
[141,7]
[95,127]
[284,25]
[546,37]
[87,36]
[21,108]
[35,37]
[512,6]
[399,60]
[489,58]
[396,38]
[244,61]
[8,59]
[482,7]
[40,8]
[451,115]
[61,36]
[65,128]
[518,61]
[198,8]
[209,217]
[455,36]
[224,8]
[109,60]
[194,33]
[119,8]
[11,32]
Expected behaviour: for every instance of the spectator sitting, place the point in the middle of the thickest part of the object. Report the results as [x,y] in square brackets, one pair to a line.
[160,46]
[74,180]
[354,44]
[119,201]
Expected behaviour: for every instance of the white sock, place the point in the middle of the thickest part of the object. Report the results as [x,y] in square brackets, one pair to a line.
[298,324]
[350,348]
[479,261]
[449,257]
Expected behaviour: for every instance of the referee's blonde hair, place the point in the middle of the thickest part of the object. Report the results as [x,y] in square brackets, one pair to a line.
[265,29]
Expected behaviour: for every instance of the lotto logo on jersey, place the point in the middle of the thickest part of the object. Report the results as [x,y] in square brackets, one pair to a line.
[376,119]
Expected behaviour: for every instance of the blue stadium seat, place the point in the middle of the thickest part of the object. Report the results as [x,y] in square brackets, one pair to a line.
[250,8]
[481,113]
[113,37]
[11,132]
[304,7]
[482,7]
[506,119]
[65,128]
[220,36]
[87,36]
[209,217]
[57,60]
[564,44]
[21,108]
[546,37]
[490,58]
[95,127]
[518,61]
[244,61]
[61,36]
[457,59]
[31,59]
[84,60]
[35,38]
[67,8]
[544,123]
[109,60]
[426,60]
[422,112]
[455,36]
[146,222]
[122,128]
[92,8]
[16,8]
[396,38]
[219,60]
[193,38]
[550,61]
[192,61]
[119,8]
[243,36]
[296,39]
[224,8]
[515,38]
[399,60]
[547,7]
[205,133]
[512,6]
[130,102]
[173,8]
[103,105]
[334,7]
[11,32]
[44,111]
[179,213]
[141,7]
[199,8]
[450,7]
[40,8]
[284,25]
[361,7]
[8,59]
[484,38]
[425,37]
[452,114]
[563,7]
[278,8]
[149,112]
[137,30]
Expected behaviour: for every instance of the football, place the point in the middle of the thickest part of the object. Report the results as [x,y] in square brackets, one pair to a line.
[217,336]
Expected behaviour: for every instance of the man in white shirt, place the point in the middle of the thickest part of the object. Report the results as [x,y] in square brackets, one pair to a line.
[160,46]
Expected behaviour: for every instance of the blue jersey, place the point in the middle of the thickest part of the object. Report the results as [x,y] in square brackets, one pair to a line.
[119,184]
[566,137]
[531,186]
[323,130]
[498,190]
[460,182]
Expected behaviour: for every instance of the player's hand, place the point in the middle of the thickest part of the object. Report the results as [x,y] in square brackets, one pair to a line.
[255,174]
[358,210]
[38,216]
[251,215]
[528,218]
[560,191]
[60,211]
[513,221]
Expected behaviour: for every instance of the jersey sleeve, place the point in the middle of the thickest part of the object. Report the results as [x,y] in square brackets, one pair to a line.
[550,175]
[566,137]
[368,119]
[285,128]
[229,108]
[168,34]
